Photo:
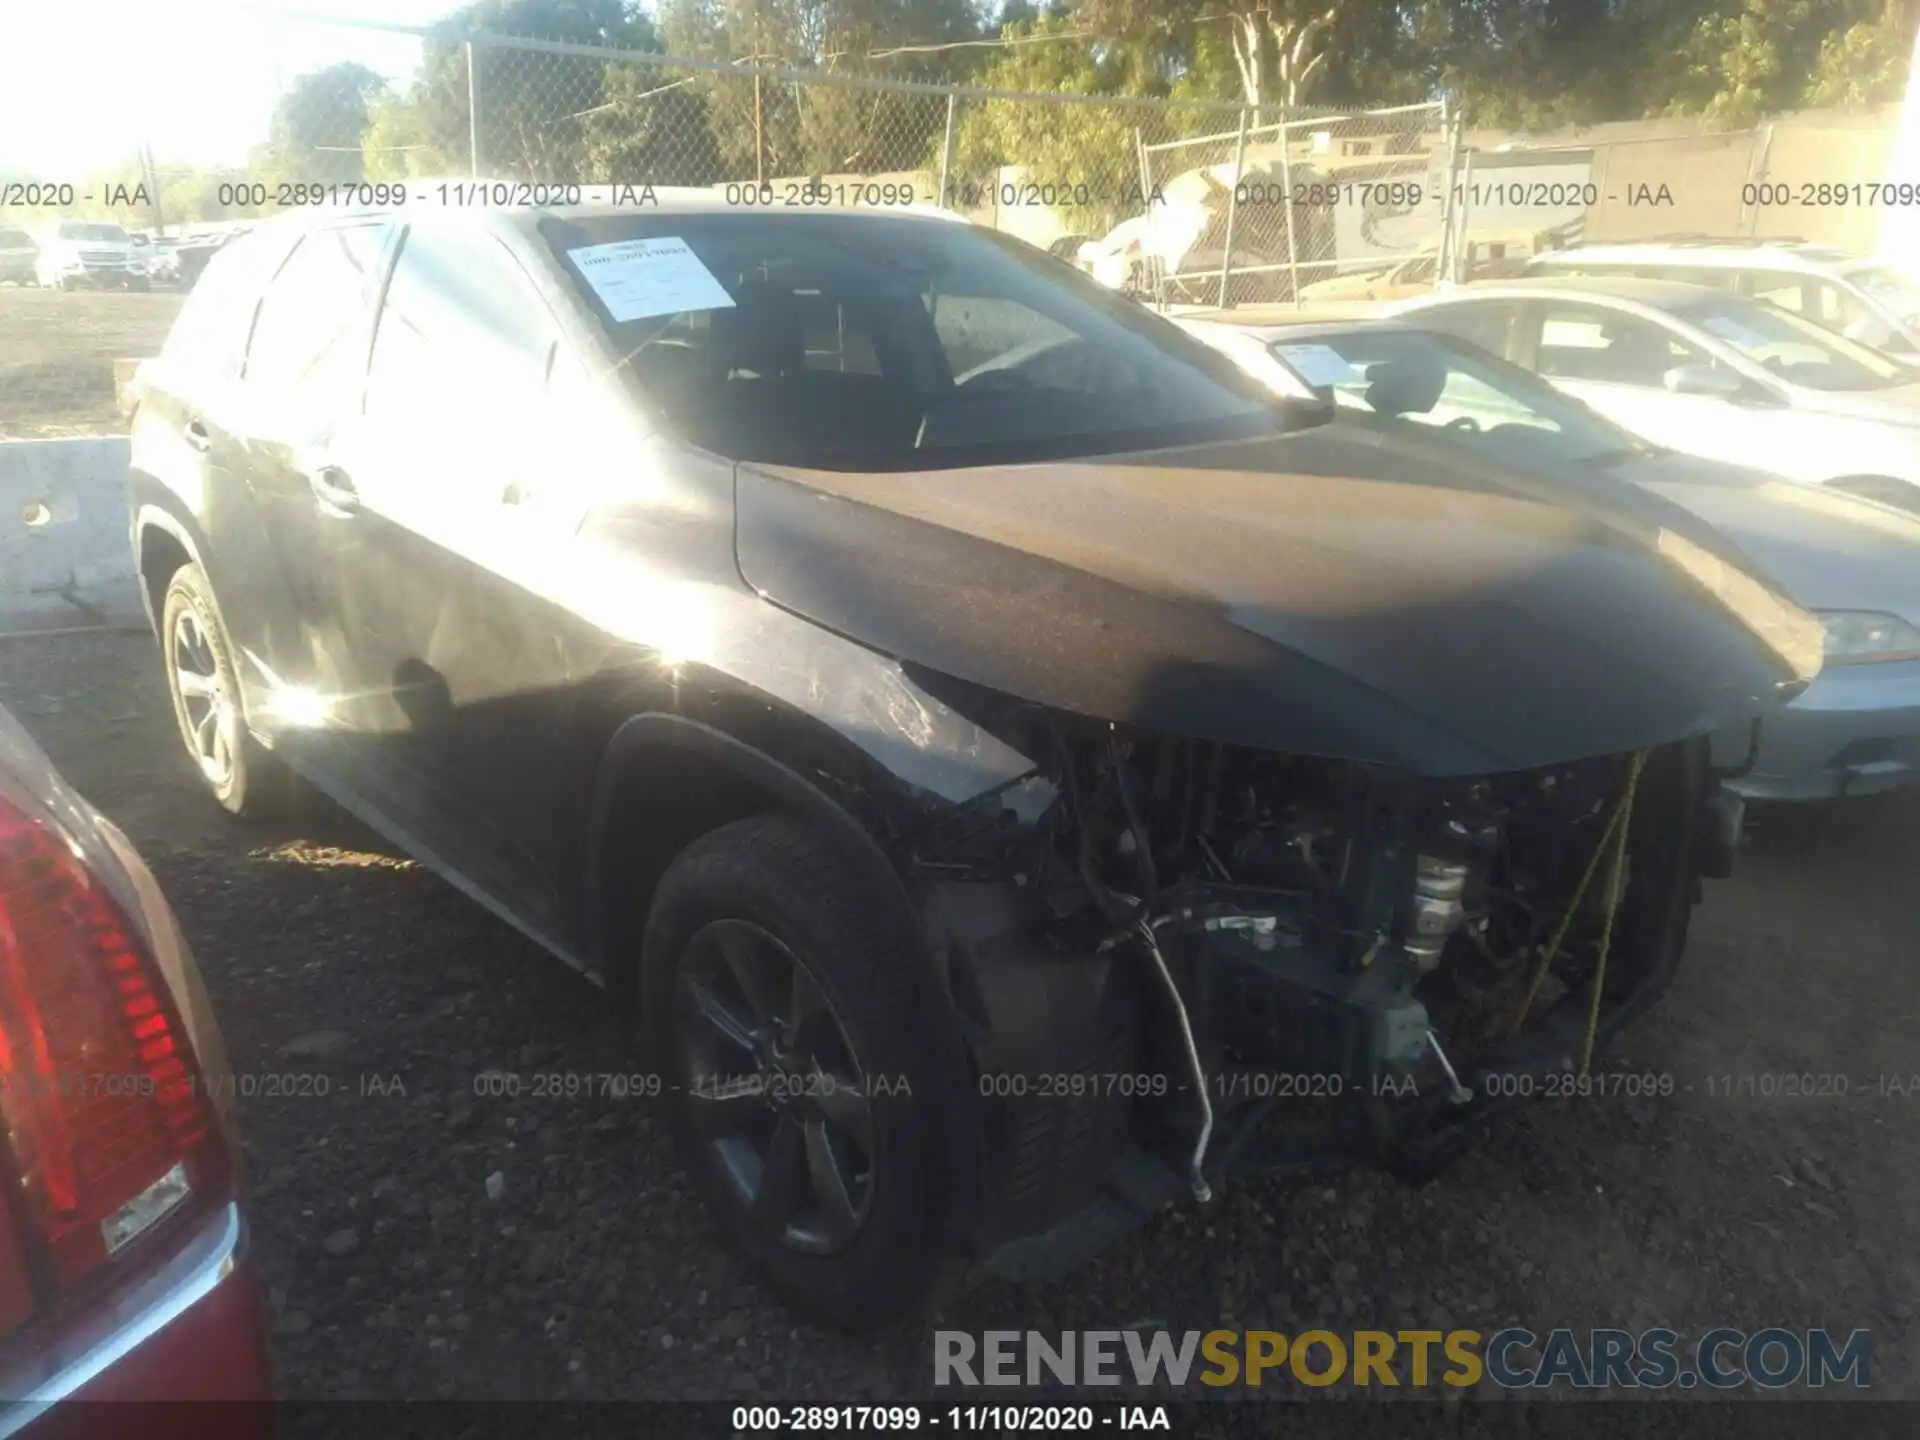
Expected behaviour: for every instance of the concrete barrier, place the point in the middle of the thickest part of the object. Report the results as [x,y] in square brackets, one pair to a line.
[65,560]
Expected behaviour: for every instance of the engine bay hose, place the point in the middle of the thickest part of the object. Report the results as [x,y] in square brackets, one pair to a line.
[1197,1165]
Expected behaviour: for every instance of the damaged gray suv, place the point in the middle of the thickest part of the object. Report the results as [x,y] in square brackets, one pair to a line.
[1016,772]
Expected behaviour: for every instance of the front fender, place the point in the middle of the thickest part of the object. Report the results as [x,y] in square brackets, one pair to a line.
[670,744]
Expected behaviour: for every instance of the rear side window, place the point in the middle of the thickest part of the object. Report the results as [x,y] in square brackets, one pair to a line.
[208,340]
[303,332]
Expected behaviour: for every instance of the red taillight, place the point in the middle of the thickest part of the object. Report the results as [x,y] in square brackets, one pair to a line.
[107,1128]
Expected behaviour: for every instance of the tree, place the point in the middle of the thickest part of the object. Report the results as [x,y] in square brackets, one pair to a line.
[1071,145]
[1867,63]
[317,126]
[1278,47]
[775,128]
[401,143]
[652,128]
[534,105]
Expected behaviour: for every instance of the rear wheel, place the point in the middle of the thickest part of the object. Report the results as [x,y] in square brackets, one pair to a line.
[792,1025]
[205,686]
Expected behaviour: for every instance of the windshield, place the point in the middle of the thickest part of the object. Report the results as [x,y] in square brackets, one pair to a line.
[1422,378]
[82,230]
[890,342]
[1891,289]
[1794,348]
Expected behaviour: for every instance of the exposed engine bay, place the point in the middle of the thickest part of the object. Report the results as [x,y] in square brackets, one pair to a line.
[1220,957]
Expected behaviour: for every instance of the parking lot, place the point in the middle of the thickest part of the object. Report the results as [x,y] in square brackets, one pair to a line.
[56,360]
[361,998]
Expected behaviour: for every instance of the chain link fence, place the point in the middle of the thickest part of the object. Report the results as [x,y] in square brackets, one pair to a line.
[1174,199]
[1196,202]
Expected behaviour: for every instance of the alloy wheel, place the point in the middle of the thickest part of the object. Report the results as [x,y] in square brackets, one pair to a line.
[207,716]
[774,1090]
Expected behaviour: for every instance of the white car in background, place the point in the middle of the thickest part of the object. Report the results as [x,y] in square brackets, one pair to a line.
[89,252]
[1707,373]
[1865,300]
[1855,564]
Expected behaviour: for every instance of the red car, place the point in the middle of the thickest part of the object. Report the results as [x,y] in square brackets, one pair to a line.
[123,1260]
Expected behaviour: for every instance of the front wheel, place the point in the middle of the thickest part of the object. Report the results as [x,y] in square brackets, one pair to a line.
[205,687]
[792,1024]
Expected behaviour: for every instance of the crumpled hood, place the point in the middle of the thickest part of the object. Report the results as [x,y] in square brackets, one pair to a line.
[1334,592]
[1828,550]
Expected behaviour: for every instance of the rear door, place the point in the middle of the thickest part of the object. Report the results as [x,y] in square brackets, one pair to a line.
[189,454]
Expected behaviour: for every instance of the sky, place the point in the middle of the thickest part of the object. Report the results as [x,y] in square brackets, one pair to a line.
[87,83]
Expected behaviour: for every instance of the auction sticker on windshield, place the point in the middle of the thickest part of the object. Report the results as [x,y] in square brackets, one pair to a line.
[636,279]
[1318,365]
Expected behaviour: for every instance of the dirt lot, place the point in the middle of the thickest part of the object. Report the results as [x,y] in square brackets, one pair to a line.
[57,351]
[595,1274]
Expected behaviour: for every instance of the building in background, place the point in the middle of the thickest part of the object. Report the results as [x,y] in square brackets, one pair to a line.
[1899,239]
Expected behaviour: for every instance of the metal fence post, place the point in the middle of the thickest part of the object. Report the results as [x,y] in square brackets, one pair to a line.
[1233,208]
[473,114]
[1461,222]
[1456,205]
[946,151]
[1286,195]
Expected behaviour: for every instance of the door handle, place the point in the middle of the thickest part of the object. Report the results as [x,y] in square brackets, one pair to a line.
[334,491]
[197,437]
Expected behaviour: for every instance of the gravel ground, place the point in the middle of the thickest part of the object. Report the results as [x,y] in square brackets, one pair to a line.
[57,351]
[594,1273]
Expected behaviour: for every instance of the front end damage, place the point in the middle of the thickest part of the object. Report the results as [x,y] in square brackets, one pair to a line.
[1179,960]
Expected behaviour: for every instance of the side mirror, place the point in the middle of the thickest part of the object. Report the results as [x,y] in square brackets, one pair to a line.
[1702,380]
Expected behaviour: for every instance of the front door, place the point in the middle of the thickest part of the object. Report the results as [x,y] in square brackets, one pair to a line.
[466,463]
[304,364]
[1618,362]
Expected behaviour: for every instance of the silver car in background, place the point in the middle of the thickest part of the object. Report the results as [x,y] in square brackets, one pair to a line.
[1707,372]
[1855,563]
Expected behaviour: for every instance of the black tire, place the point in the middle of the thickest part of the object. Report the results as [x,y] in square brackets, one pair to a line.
[252,783]
[776,875]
